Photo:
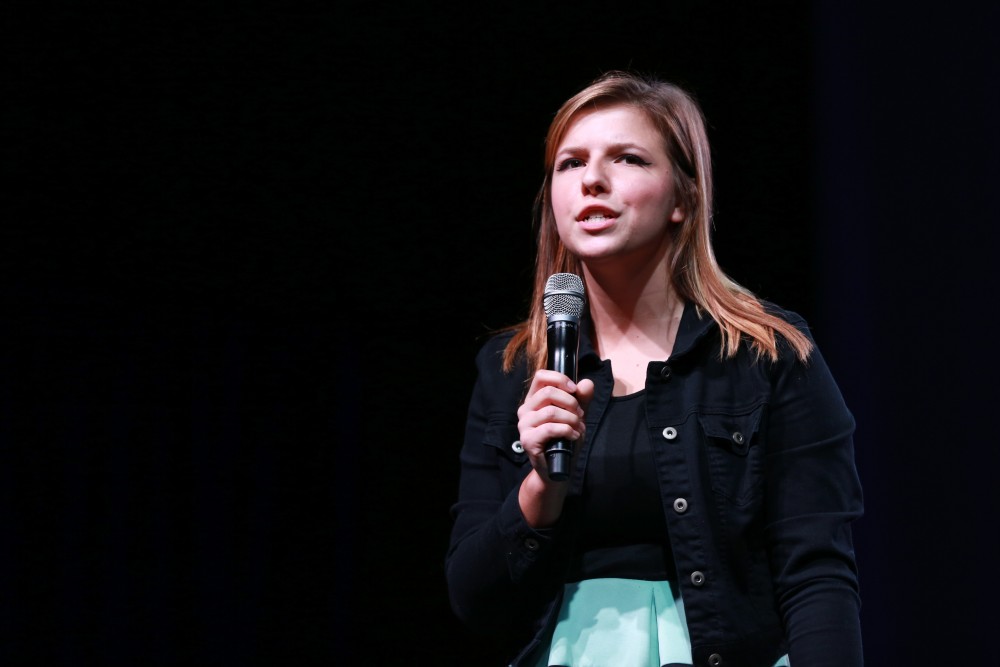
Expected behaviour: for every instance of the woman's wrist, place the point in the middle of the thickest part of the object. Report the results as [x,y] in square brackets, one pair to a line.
[541,500]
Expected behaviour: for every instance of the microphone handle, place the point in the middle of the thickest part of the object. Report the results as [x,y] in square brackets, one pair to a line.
[564,347]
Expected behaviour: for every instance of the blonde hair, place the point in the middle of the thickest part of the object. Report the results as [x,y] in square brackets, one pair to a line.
[694,271]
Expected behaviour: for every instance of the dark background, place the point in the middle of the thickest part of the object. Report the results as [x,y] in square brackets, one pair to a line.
[249,254]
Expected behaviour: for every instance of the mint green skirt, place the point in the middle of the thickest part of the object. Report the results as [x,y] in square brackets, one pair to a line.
[621,622]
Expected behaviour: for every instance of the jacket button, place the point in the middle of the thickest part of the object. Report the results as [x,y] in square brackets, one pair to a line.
[738,438]
[715,660]
[665,372]
[531,544]
[680,505]
[670,433]
[517,447]
[697,578]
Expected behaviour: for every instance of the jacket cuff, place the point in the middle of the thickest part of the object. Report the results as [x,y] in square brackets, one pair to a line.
[525,546]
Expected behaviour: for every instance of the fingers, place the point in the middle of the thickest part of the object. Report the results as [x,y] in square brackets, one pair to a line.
[552,410]
[552,387]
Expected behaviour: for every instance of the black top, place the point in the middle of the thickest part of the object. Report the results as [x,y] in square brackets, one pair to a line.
[623,528]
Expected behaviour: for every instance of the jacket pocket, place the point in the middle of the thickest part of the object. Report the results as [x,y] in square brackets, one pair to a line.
[502,435]
[735,456]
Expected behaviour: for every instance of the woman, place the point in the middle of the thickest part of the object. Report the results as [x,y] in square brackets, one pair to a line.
[706,519]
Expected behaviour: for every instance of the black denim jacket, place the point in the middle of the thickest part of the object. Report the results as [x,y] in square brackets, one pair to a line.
[756,465]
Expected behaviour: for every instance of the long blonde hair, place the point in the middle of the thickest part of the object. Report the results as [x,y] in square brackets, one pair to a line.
[694,271]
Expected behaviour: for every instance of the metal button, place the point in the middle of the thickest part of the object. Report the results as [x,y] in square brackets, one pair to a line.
[517,447]
[697,578]
[666,372]
[670,433]
[715,660]
[738,438]
[531,544]
[680,505]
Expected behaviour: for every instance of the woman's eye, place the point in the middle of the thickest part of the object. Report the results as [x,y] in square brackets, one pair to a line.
[570,163]
[629,158]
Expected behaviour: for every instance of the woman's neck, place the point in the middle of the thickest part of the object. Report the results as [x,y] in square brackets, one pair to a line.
[634,322]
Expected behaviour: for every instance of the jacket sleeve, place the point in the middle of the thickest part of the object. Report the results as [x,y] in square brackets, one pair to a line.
[813,495]
[496,563]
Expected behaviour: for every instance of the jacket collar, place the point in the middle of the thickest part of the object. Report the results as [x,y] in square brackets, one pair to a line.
[695,325]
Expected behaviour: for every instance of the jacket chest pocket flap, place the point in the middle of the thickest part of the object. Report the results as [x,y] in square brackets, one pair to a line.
[735,455]
[501,434]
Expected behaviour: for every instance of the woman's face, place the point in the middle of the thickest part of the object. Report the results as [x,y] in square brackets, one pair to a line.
[613,187]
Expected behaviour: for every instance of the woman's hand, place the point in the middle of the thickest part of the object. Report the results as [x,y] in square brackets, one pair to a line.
[553,409]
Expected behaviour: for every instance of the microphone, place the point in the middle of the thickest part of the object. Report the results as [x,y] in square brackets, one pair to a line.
[563,302]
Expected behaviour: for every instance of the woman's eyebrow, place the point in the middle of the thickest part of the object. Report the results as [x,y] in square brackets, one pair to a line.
[610,148]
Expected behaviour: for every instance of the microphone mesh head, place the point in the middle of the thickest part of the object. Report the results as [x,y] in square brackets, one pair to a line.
[563,295]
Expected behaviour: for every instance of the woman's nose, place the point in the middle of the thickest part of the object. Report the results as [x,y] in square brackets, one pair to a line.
[594,179]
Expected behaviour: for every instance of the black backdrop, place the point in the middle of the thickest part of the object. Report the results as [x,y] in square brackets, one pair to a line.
[249,254]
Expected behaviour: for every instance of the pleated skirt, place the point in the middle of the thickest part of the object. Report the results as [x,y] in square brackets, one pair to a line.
[621,623]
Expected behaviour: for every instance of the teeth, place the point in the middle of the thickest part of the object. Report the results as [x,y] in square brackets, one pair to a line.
[596,216]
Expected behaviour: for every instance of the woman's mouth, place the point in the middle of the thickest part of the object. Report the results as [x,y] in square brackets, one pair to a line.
[595,222]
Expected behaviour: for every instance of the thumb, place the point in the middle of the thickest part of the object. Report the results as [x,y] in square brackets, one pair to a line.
[584,392]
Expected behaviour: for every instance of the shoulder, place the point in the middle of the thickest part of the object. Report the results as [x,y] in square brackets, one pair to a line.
[786,350]
[494,347]
[495,385]
[785,314]
[489,359]
[790,316]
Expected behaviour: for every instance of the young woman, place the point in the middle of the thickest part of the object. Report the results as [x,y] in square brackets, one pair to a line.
[706,518]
